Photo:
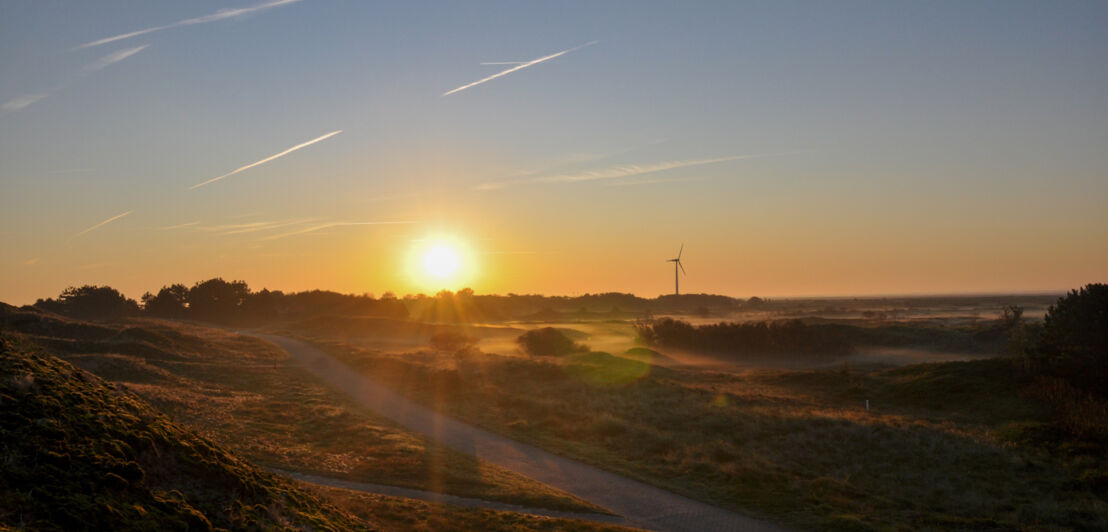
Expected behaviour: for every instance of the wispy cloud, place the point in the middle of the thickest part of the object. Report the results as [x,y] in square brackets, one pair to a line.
[328,225]
[179,226]
[653,181]
[267,159]
[113,58]
[518,67]
[613,172]
[102,224]
[20,102]
[222,14]
[32,262]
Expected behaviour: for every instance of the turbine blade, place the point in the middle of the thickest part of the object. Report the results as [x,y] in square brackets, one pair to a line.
[680,250]
[682,267]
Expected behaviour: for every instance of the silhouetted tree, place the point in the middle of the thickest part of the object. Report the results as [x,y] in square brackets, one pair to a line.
[88,301]
[170,302]
[217,300]
[261,305]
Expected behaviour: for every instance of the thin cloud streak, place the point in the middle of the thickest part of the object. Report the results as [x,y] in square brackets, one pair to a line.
[102,224]
[328,225]
[267,159]
[614,172]
[654,181]
[522,66]
[214,17]
[20,102]
[179,226]
[113,58]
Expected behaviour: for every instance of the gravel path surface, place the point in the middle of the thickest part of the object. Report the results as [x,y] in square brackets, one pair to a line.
[641,505]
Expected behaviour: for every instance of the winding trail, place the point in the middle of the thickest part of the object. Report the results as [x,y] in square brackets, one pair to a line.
[641,505]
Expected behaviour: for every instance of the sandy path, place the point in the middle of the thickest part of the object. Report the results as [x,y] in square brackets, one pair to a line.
[642,505]
[442,498]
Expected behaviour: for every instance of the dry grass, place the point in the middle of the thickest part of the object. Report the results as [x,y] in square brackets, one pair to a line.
[397,514]
[793,445]
[244,393]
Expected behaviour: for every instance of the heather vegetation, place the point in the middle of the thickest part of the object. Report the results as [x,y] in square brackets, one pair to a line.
[819,338]
[942,445]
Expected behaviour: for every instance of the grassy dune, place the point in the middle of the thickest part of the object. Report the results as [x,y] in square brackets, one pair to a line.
[80,454]
[245,394]
[939,448]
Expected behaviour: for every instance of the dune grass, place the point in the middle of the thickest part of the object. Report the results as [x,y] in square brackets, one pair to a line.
[77,453]
[246,394]
[933,452]
[404,515]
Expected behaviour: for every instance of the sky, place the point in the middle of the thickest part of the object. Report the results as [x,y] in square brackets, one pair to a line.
[793,148]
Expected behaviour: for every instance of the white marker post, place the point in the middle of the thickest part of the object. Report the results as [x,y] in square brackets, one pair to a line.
[867,405]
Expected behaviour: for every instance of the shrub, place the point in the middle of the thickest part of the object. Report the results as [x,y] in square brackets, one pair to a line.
[548,341]
[760,338]
[1073,343]
[450,341]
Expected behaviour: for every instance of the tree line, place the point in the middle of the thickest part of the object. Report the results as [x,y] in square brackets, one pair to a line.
[217,301]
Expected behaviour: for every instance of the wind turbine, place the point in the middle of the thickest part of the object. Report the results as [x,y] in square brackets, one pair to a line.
[677,264]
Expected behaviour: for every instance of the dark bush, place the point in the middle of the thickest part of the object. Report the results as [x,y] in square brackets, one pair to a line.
[450,341]
[548,341]
[1073,343]
[787,337]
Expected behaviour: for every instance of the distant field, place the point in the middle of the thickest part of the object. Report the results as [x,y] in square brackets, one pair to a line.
[939,448]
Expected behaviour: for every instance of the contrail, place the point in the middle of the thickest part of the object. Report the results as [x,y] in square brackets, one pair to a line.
[614,172]
[20,102]
[114,58]
[102,224]
[267,159]
[518,67]
[214,17]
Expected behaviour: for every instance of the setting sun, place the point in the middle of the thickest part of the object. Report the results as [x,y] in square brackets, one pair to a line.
[441,262]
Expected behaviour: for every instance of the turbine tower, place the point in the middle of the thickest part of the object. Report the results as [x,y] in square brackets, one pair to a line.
[677,264]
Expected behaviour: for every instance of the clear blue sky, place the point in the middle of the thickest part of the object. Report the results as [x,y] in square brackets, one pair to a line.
[820,148]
